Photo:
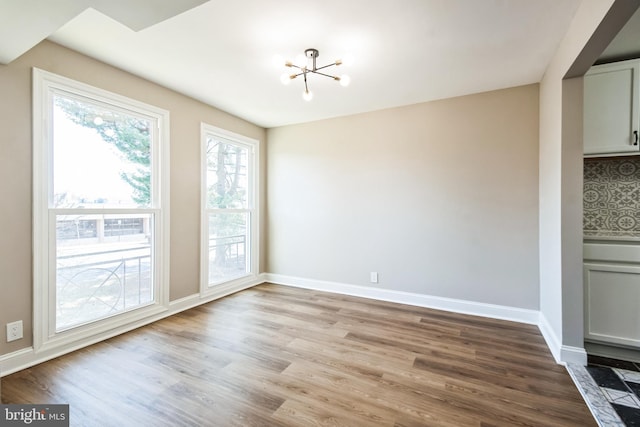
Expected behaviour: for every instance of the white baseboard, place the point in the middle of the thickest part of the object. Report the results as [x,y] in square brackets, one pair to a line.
[27,357]
[553,342]
[24,358]
[448,304]
[575,355]
[16,361]
[563,354]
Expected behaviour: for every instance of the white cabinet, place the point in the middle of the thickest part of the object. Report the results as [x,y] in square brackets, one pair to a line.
[612,293]
[612,303]
[611,116]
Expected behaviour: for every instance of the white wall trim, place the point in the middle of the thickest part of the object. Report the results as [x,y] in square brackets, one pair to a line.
[420,300]
[27,357]
[576,355]
[553,342]
[15,361]
[563,354]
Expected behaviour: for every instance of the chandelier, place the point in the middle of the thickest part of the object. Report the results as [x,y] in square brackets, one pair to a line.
[304,69]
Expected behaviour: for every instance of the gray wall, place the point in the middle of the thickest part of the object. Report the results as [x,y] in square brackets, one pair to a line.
[439,198]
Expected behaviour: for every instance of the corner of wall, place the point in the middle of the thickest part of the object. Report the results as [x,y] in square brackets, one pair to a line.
[549,335]
[563,354]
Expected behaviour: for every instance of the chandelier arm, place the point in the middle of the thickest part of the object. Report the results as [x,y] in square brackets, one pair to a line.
[326,75]
[324,66]
[306,88]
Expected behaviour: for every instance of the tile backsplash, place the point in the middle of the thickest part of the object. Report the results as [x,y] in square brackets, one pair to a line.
[611,196]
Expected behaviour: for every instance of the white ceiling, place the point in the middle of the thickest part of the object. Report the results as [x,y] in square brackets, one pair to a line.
[220,52]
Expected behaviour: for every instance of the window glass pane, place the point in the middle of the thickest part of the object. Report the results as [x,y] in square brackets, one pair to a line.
[103,266]
[228,246]
[226,175]
[101,157]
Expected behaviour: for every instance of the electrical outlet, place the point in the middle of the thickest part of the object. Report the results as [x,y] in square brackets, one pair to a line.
[374,277]
[14,331]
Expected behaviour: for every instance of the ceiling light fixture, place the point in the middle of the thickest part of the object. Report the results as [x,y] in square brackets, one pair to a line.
[304,69]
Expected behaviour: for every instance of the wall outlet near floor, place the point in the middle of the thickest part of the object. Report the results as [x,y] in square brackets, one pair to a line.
[14,331]
[374,277]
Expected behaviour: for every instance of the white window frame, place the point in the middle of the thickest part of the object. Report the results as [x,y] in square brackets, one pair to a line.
[253,210]
[45,338]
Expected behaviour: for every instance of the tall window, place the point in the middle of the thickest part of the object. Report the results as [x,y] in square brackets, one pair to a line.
[229,207]
[99,206]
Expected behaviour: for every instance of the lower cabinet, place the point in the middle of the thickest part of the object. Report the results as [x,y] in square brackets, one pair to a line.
[612,303]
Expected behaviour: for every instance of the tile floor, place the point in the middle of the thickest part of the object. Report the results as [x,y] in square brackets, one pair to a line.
[619,382]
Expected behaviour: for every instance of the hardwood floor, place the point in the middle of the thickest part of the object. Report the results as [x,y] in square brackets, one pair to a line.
[279,356]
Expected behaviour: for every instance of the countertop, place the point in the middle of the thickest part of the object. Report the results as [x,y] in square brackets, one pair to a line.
[616,236]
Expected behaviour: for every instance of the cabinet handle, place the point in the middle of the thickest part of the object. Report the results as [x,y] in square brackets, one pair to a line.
[635,137]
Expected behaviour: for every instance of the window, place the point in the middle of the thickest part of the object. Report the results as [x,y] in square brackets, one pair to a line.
[100,210]
[229,220]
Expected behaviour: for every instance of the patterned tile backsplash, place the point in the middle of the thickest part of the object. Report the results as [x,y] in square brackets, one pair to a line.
[612,196]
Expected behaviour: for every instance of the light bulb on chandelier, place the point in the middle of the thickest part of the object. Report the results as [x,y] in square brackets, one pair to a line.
[285,79]
[307,95]
[303,69]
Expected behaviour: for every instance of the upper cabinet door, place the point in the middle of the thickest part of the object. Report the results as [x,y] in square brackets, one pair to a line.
[611,121]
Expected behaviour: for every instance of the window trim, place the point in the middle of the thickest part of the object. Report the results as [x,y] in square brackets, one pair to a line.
[253,210]
[45,84]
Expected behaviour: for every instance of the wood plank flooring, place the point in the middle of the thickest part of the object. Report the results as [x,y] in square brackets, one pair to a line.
[279,356]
